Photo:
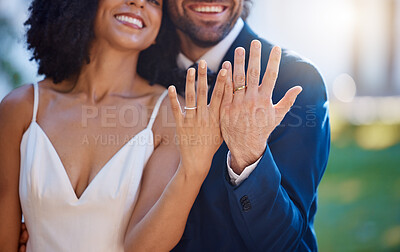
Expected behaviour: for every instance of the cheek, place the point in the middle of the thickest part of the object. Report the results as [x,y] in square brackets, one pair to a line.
[97,26]
[156,21]
[101,21]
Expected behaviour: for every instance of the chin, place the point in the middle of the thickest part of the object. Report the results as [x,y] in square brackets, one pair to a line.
[129,42]
[210,37]
[206,42]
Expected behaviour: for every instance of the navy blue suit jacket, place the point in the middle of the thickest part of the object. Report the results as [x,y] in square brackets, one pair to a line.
[274,208]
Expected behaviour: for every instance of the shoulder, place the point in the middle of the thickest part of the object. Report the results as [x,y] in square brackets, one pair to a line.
[297,70]
[290,62]
[16,109]
[295,66]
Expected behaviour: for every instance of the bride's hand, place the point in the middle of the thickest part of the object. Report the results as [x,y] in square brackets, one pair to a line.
[198,133]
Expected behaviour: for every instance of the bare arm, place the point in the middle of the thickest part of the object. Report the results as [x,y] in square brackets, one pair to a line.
[14,109]
[159,218]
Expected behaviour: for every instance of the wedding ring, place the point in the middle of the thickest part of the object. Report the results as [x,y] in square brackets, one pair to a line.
[239,88]
[190,108]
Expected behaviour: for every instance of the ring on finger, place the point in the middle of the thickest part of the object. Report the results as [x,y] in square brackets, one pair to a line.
[239,88]
[190,108]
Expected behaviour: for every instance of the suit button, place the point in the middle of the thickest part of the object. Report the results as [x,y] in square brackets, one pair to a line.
[245,202]
[246,207]
[244,199]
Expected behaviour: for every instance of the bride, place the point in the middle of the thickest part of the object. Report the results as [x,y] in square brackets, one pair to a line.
[86,154]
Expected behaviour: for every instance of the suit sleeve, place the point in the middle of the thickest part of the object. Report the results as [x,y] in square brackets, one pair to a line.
[272,208]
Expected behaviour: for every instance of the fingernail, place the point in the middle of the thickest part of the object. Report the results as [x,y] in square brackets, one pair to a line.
[240,51]
[223,72]
[277,50]
[202,64]
[257,44]
[226,65]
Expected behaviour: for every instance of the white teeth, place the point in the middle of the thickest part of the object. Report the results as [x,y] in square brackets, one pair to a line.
[131,20]
[209,9]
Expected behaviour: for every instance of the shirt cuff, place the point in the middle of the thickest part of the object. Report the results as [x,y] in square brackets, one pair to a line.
[238,179]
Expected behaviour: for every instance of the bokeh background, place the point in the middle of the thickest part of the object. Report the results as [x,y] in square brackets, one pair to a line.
[356,46]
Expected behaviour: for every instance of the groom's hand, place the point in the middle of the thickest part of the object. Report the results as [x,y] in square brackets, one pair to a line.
[248,115]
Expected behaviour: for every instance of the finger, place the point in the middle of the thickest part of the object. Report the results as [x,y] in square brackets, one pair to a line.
[271,73]
[23,226]
[23,237]
[202,89]
[239,77]
[228,92]
[22,248]
[175,106]
[253,70]
[190,93]
[218,91]
[284,105]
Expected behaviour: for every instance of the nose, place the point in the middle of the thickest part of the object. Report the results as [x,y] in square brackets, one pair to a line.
[138,3]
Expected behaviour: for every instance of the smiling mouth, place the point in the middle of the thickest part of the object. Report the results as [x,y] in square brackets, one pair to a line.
[130,20]
[207,9]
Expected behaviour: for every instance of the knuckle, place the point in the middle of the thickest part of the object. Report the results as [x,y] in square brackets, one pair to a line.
[175,108]
[260,112]
[202,72]
[239,79]
[254,73]
[190,78]
[190,98]
[273,75]
[218,93]
[252,82]
[235,107]
[251,105]
[203,91]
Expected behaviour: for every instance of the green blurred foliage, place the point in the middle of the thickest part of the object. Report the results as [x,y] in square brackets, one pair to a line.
[7,38]
[359,196]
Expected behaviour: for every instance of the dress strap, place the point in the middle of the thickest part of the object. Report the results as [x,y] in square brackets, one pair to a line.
[35,101]
[156,108]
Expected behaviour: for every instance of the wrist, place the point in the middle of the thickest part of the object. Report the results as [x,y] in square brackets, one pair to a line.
[239,161]
[193,170]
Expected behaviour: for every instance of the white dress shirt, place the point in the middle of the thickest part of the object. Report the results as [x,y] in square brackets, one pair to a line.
[213,57]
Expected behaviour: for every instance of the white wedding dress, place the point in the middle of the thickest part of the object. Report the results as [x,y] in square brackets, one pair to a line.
[97,221]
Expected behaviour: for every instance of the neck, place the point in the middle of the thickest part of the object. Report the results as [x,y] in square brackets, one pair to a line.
[110,71]
[189,48]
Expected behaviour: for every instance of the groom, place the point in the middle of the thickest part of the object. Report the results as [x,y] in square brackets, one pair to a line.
[261,192]
[262,195]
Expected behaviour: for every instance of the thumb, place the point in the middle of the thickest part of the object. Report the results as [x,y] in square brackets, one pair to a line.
[284,105]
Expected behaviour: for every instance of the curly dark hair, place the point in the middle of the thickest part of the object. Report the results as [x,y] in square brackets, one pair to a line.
[60,33]
[156,62]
